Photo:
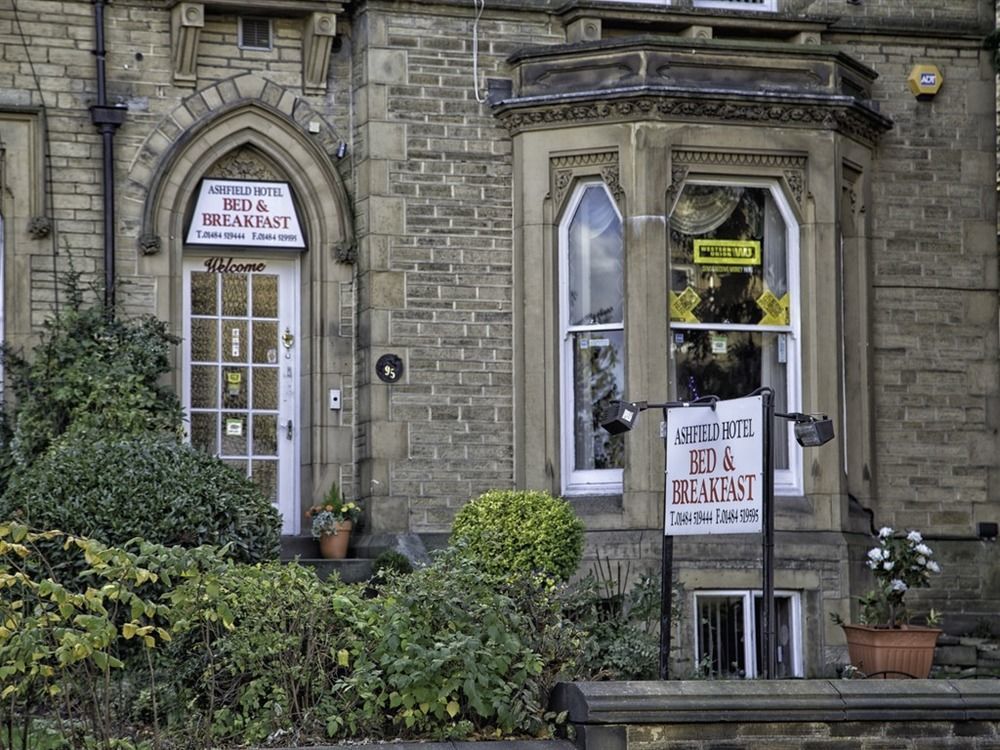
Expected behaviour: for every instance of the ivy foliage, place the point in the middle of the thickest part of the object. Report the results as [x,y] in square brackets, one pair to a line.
[520,531]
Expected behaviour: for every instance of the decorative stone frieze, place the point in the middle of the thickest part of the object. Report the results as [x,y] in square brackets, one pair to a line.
[564,170]
[243,164]
[840,114]
[790,167]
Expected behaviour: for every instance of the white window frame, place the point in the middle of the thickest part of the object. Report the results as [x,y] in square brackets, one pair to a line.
[751,600]
[758,6]
[786,481]
[582,481]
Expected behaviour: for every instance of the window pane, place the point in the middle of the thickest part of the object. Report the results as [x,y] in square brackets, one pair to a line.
[598,378]
[203,293]
[728,255]
[596,281]
[721,637]
[785,633]
[733,364]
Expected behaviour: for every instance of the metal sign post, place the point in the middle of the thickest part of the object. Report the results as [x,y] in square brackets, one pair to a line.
[719,479]
[767,593]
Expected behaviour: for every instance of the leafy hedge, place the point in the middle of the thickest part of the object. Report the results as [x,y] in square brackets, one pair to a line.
[92,369]
[520,531]
[113,488]
[203,652]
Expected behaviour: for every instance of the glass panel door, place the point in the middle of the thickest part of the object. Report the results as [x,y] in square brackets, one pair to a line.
[241,369]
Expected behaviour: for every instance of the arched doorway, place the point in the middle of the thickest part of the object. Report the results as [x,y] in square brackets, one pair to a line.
[250,220]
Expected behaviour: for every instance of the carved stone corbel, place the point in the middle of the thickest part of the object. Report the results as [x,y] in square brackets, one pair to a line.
[186,23]
[39,227]
[149,244]
[346,251]
[320,29]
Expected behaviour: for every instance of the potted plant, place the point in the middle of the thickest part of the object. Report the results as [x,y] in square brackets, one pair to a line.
[883,642]
[332,521]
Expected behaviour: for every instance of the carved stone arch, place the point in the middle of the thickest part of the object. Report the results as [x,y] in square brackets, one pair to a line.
[788,169]
[318,187]
[565,170]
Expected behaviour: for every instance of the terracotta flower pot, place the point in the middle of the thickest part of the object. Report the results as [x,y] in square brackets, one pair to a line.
[892,652]
[334,546]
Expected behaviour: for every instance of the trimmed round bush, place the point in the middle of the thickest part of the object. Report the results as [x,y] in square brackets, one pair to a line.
[114,488]
[520,531]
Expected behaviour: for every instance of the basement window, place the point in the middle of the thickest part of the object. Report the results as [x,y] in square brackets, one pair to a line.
[729,634]
[255,33]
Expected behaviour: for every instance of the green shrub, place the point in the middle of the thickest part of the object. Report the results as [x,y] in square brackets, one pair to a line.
[72,661]
[142,485]
[391,562]
[92,369]
[272,671]
[446,652]
[511,531]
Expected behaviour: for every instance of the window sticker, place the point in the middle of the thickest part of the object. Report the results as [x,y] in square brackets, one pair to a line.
[682,306]
[235,341]
[720,344]
[233,381]
[727,252]
[234,427]
[775,310]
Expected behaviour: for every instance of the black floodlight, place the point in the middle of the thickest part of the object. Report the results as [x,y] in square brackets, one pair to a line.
[620,417]
[810,430]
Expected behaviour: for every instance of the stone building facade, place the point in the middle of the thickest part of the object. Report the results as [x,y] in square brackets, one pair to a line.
[435,235]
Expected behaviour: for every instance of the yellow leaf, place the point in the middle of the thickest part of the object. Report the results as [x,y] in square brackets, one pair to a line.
[149,640]
[128,630]
[452,708]
[343,658]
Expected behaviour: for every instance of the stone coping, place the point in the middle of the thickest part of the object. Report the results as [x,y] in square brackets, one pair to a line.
[755,701]
[485,745]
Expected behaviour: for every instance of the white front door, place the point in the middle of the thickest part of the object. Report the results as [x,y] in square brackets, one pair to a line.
[241,362]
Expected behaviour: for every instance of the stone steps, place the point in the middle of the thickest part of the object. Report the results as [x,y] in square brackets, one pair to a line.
[305,551]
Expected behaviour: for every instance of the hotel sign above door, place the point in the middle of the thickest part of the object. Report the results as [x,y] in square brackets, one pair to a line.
[246,214]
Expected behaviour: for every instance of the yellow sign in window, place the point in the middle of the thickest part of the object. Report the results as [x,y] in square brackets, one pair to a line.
[727,252]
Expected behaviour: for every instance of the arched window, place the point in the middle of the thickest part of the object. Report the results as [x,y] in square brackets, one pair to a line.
[734,302]
[592,333]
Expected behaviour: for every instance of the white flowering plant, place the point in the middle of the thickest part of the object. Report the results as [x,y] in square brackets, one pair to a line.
[899,563]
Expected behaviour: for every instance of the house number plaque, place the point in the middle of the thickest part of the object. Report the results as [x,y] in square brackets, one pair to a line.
[389,368]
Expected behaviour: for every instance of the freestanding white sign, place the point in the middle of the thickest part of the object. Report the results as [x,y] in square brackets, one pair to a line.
[715,468]
[249,214]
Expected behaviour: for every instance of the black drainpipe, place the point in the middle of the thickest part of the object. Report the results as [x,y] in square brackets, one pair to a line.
[107,119]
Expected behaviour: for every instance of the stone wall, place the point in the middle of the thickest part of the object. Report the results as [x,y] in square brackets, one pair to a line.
[435,180]
[839,715]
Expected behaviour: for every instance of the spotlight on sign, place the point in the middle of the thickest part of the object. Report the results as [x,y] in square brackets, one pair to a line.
[620,416]
[811,431]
